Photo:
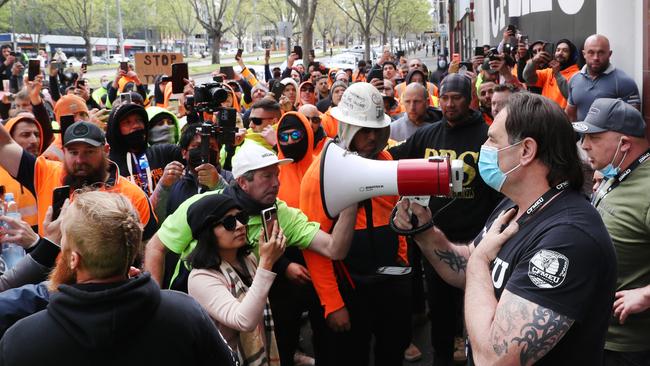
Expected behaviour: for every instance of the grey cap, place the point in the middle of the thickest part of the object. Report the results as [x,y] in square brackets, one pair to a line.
[607,114]
[83,131]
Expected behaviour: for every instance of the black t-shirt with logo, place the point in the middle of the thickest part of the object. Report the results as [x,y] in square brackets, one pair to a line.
[464,218]
[562,259]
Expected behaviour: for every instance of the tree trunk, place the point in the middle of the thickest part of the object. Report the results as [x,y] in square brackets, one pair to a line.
[324,44]
[216,47]
[307,41]
[366,39]
[89,50]
[187,45]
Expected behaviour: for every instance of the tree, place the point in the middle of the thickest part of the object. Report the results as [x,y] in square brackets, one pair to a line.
[275,12]
[326,24]
[32,20]
[387,10]
[184,17]
[241,23]
[211,15]
[306,11]
[78,16]
[412,21]
[364,14]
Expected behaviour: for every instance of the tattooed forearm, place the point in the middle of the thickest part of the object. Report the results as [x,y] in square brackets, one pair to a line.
[456,262]
[541,334]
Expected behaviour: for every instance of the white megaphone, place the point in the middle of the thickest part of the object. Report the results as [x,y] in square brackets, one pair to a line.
[346,178]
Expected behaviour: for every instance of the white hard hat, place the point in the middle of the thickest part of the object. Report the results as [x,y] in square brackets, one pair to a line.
[253,156]
[361,105]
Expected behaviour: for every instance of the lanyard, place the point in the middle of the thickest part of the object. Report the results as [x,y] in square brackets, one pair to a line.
[147,183]
[619,178]
[541,201]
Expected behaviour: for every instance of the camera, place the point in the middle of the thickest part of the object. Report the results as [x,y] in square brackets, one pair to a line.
[209,96]
[223,132]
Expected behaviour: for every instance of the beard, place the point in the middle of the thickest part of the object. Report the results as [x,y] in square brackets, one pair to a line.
[62,274]
[90,176]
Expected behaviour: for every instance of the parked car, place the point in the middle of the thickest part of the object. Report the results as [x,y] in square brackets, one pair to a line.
[72,61]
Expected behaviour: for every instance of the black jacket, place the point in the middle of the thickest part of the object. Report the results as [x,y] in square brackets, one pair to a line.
[125,323]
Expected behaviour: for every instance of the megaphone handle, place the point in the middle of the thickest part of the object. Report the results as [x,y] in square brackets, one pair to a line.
[414,222]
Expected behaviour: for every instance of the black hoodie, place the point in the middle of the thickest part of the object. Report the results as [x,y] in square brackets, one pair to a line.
[158,156]
[124,323]
[465,218]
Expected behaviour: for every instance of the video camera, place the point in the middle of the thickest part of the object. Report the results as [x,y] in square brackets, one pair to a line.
[209,96]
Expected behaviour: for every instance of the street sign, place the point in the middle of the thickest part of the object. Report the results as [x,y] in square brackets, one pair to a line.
[150,64]
[285,29]
[442,29]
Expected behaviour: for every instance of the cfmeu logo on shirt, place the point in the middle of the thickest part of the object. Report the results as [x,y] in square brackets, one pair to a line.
[548,269]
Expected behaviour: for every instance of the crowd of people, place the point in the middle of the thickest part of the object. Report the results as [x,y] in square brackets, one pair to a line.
[542,258]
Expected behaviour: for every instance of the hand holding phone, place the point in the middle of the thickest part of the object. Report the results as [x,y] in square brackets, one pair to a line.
[269,217]
[124,66]
[34,69]
[239,54]
[179,74]
[298,51]
[59,195]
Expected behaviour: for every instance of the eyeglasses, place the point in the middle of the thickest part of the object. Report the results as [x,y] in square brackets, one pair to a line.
[314,119]
[230,222]
[295,135]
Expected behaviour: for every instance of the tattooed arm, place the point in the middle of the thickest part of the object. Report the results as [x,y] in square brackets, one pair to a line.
[448,259]
[515,332]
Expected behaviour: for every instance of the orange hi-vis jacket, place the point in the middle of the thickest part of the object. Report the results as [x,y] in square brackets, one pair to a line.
[50,174]
[367,242]
[24,198]
[546,81]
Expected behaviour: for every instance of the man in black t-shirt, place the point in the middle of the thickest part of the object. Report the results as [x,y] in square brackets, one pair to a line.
[458,135]
[539,280]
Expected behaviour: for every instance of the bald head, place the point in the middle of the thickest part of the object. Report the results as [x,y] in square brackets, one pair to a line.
[597,53]
[416,89]
[308,110]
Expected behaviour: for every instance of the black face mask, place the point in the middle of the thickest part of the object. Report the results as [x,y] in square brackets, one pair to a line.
[295,151]
[136,141]
[194,158]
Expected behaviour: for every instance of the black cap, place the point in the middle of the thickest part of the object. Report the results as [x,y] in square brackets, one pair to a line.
[83,131]
[607,114]
[205,212]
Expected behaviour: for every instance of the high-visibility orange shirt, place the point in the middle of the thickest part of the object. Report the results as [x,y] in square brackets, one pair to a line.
[546,81]
[49,174]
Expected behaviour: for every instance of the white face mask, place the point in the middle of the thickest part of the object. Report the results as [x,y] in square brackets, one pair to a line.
[442,64]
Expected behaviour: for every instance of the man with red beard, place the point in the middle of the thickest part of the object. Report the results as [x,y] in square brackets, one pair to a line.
[97,313]
[85,163]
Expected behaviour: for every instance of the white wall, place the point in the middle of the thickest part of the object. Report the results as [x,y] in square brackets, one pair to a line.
[622,22]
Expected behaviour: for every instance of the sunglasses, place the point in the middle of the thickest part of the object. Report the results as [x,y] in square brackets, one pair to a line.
[295,136]
[258,121]
[230,222]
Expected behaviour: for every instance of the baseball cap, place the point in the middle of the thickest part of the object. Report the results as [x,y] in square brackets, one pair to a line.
[607,114]
[83,131]
[252,156]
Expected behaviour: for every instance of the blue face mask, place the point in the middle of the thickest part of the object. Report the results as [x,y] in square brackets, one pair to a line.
[488,166]
[609,171]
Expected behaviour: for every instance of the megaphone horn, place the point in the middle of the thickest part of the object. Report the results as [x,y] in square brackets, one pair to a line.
[347,178]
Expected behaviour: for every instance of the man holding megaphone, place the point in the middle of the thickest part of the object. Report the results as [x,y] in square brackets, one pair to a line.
[374,279]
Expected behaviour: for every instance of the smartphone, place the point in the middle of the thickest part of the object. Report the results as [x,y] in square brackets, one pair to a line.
[267,53]
[512,29]
[277,90]
[467,65]
[66,121]
[239,53]
[34,69]
[298,51]
[124,65]
[549,48]
[179,74]
[84,67]
[269,217]
[227,118]
[173,104]
[375,74]
[228,71]
[312,53]
[125,98]
[59,195]
[479,51]
[399,54]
